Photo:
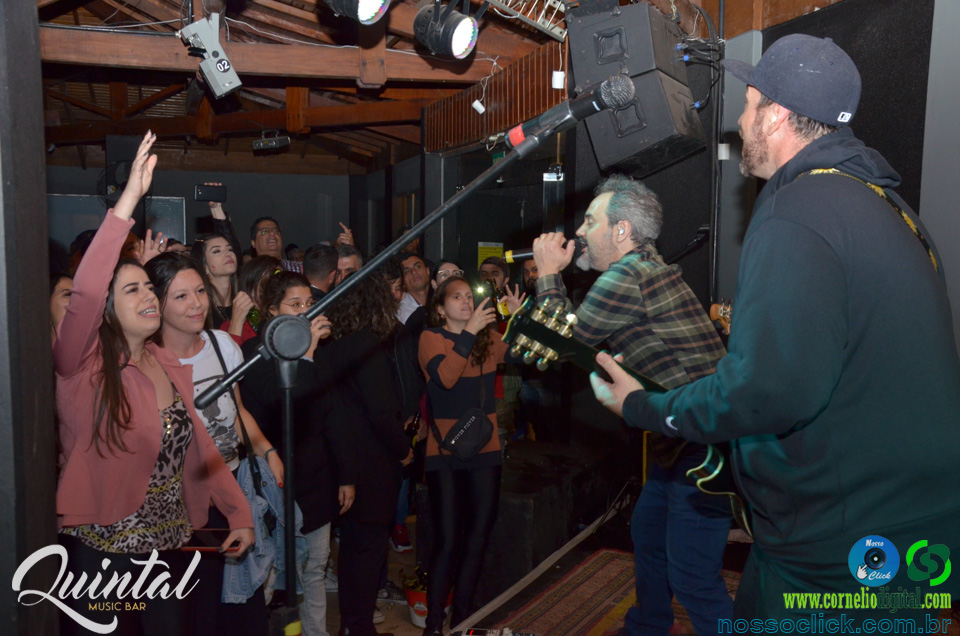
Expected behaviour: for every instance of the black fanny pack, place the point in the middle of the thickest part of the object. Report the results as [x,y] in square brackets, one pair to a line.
[467,437]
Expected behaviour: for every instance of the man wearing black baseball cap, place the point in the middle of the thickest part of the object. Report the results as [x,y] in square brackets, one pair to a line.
[840,392]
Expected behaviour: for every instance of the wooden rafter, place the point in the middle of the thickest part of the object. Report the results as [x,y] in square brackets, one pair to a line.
[209,127]
[167,53]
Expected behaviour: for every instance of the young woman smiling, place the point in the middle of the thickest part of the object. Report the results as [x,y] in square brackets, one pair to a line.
[182,289]
[139,468]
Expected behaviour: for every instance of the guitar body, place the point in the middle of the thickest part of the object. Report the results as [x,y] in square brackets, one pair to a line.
[547,337]
[715,477]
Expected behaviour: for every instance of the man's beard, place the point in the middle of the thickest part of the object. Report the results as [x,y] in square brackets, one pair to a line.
[755,151]
[591,257]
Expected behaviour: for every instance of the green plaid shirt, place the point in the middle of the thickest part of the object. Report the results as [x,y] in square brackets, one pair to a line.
[643,309]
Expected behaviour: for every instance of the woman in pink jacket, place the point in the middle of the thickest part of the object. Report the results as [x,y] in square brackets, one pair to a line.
[138,467]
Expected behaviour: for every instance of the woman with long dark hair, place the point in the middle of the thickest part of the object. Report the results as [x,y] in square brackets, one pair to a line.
[139,468]
[325,468]
[182,288]
[250,281]
[364,322]
[215,253]
[459,355]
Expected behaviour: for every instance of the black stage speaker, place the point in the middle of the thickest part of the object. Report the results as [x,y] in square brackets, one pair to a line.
[660,125]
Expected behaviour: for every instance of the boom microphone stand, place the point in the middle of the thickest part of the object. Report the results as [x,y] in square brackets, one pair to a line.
[287,338]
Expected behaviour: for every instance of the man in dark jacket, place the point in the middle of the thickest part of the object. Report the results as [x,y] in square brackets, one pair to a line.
[841,388]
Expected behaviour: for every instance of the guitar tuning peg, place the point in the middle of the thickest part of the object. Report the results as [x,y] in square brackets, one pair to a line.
[572,319]
[548,357]
[529,357]
[516,350]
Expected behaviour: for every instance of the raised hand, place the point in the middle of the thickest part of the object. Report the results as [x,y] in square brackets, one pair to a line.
[552,252]
[345,237]
[141,176]
[151,246]
[514,298]
[482,316]
[216,208]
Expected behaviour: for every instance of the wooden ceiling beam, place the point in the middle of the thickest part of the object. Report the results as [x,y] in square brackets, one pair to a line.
[210,127]
[151,100]
[281,23]
[298,99]
[118,100]
[373,55]
[365,145]
[79,103]
[332,138]
[167,53]
[409,134]
[341,150]
[139,16]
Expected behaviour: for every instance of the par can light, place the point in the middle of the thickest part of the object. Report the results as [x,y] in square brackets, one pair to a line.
[363,11]
[445,31]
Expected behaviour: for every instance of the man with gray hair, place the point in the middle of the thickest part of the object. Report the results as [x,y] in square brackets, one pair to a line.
[841,394]
[642,308]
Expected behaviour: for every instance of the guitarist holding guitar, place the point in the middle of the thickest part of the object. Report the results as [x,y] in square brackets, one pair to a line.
[643,309]
[844,423]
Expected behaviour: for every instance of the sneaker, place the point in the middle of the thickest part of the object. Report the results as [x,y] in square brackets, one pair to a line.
[391,594]
[378,616]
[400,539]
[332,582]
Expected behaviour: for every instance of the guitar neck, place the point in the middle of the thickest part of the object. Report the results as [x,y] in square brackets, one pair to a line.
[582,354]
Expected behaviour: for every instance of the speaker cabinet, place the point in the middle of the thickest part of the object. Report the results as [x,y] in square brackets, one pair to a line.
[660,126]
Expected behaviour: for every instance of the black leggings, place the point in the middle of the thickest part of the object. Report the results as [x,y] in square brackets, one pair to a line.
[464,506]
[136,617]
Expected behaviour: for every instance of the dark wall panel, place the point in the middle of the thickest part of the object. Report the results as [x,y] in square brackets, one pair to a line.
[889,40]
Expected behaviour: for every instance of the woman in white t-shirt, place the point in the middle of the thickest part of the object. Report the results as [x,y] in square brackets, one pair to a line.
[181,286]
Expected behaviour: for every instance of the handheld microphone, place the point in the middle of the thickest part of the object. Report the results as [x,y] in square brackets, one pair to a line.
[615,91]
[518,256]
[515,256]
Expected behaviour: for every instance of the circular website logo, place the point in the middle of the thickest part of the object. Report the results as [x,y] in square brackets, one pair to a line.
[874,561]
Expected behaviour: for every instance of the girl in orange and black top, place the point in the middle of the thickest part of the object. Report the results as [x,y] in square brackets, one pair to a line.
[459,354]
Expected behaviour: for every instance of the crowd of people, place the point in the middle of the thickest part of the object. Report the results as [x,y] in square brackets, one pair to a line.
[391,368]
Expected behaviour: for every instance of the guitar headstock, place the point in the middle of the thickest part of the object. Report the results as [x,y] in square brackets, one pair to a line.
[722,312]
[540,332]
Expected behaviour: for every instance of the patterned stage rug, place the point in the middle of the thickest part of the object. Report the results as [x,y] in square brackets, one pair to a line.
[593,599]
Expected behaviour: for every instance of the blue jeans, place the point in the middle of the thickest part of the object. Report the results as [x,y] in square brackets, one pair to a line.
[679,535]
[313,607]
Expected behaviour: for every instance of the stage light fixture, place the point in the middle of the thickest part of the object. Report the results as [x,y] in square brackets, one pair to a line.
[449,33]
[363,11]
[203,40]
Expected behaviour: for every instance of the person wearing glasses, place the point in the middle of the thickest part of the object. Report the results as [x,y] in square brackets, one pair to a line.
[324,473]
[445,270]
[266,240]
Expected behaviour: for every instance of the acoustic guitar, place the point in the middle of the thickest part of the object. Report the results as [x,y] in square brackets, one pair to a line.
[543,334]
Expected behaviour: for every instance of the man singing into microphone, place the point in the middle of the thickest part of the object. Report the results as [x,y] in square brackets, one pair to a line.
[642,308]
